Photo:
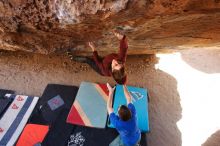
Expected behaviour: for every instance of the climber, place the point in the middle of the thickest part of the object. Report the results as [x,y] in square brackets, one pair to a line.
[110,65]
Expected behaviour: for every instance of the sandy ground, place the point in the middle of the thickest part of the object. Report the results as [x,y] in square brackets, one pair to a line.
[173,81]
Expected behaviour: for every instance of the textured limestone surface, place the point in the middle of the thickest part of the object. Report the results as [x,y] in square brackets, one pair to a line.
[53,26]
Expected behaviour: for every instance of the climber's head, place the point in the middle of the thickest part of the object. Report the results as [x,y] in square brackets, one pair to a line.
[118,71]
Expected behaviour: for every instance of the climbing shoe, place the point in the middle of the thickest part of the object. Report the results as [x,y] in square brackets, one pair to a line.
[80,59]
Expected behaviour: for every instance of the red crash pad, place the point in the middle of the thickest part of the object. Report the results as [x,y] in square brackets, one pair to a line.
[32,134]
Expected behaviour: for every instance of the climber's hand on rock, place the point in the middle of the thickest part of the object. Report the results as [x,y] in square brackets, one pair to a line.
[118,34]
[92,46]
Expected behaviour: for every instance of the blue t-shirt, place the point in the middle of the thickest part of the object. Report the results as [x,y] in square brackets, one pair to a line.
[128,130]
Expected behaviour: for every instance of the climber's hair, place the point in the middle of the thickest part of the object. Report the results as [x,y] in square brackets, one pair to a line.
[119,75]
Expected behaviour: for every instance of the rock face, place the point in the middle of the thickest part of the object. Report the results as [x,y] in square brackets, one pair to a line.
[53,26]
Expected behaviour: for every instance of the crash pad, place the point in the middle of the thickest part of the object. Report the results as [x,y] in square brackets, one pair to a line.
[59,131]
[55,98]
[4,91]
[88,136]
[15,118]
[89,107]
[32,134]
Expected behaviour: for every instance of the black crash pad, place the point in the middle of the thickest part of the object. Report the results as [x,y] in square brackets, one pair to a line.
[59,131]
[4,102]
[3,92]
[87,136]
[43,113]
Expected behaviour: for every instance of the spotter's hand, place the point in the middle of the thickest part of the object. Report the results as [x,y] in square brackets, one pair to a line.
[110,89]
